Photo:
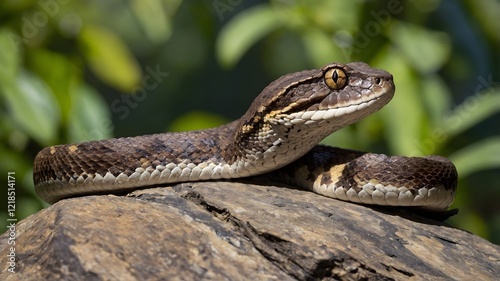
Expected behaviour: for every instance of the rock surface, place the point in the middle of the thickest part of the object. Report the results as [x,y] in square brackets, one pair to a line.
[239,231]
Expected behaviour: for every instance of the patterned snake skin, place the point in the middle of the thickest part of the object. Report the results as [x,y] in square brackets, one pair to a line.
[278,135]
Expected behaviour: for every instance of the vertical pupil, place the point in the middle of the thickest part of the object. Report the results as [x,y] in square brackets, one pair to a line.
[335,76]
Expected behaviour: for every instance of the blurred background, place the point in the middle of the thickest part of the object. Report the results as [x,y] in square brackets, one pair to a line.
[74,71]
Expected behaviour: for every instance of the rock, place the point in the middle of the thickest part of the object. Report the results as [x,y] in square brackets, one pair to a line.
[239,231]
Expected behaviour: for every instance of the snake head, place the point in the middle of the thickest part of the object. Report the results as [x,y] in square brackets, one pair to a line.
[341,93]
[310,105]
[344,93]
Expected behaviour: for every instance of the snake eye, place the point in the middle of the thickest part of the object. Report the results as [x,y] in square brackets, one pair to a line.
[336,78]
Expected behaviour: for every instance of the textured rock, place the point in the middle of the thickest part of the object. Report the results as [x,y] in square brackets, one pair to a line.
[238,231]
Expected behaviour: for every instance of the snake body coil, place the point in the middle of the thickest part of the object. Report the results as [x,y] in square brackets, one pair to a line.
[278,134]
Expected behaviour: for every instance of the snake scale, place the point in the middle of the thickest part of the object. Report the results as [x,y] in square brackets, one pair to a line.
[278,135]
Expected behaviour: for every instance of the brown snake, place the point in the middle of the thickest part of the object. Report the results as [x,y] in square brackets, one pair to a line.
[278,135]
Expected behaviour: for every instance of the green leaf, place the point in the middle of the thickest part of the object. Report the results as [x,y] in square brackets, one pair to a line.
[33,108]
[470,112]
[109,58]
[90,117]
[321,47]
[9,57]
[153,19]
[436,96]
[244,30]
[404,115]
[331,15]
[61,76]
[478,156]
[426,50]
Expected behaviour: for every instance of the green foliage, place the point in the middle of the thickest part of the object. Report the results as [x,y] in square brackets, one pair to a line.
[80,71]
[478,156]
[246,29]
[109,58]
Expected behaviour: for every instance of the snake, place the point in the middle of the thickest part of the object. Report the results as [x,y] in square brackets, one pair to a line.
[278,136]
